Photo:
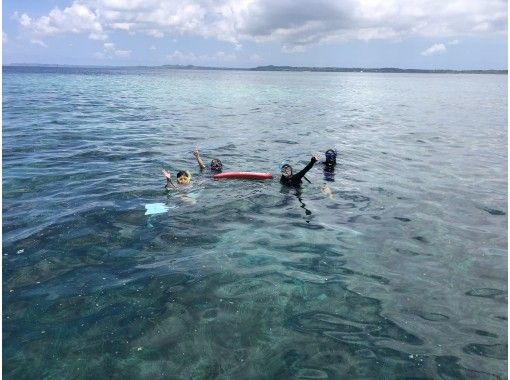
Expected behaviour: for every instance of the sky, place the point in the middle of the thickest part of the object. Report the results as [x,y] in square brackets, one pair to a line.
[425,34]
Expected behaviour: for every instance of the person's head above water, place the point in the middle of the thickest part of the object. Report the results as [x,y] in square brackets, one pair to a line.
[216,165]
[330,157]
[183,177]
[286,171]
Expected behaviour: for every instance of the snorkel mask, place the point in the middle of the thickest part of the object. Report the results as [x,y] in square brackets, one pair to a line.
[330,157]
[286,170]
[183,177]
[216,165]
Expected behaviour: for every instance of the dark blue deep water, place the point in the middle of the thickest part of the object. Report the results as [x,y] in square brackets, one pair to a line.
[400,273]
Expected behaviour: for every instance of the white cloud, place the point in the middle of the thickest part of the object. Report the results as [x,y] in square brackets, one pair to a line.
[77,18]
[482,27]
[98,36]
[152,47]
[4,37]
[25,20]
[225,56]
[110,52]
[293,49]
[126,26]
[123,53]
[434,49]
[155,33]
[178,57]
[38,42]
[293,23]
[453,42]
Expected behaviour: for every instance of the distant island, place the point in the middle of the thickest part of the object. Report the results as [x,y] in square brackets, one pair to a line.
[376,70]
[274,68]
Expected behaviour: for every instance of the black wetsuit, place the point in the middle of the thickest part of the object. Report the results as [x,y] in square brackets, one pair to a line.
[295,180]
[329,172]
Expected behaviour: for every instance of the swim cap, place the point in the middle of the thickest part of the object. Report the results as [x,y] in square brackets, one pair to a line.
[183,177]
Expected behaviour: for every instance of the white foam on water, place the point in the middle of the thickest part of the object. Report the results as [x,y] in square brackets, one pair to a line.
[155,208]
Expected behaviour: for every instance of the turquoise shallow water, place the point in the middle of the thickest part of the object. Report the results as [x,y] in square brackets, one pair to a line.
[402,273]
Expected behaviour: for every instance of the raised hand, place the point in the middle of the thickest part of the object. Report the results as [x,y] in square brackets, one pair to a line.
[167,174]
[199,159]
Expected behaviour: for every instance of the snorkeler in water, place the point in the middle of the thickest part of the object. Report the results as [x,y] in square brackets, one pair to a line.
[329,165]
[183,178]
[330,158]
[290,179]
[329,172]
[216,165]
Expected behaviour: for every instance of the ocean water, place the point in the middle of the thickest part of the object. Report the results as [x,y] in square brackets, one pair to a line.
[400,273]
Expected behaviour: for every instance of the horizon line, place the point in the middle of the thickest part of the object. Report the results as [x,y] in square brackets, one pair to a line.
[255,68]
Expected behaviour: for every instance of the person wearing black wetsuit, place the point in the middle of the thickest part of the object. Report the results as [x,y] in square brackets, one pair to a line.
[329,165]
[289,179]
[216,165]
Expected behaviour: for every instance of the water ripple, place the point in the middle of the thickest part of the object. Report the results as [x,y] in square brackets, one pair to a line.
[399,271]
